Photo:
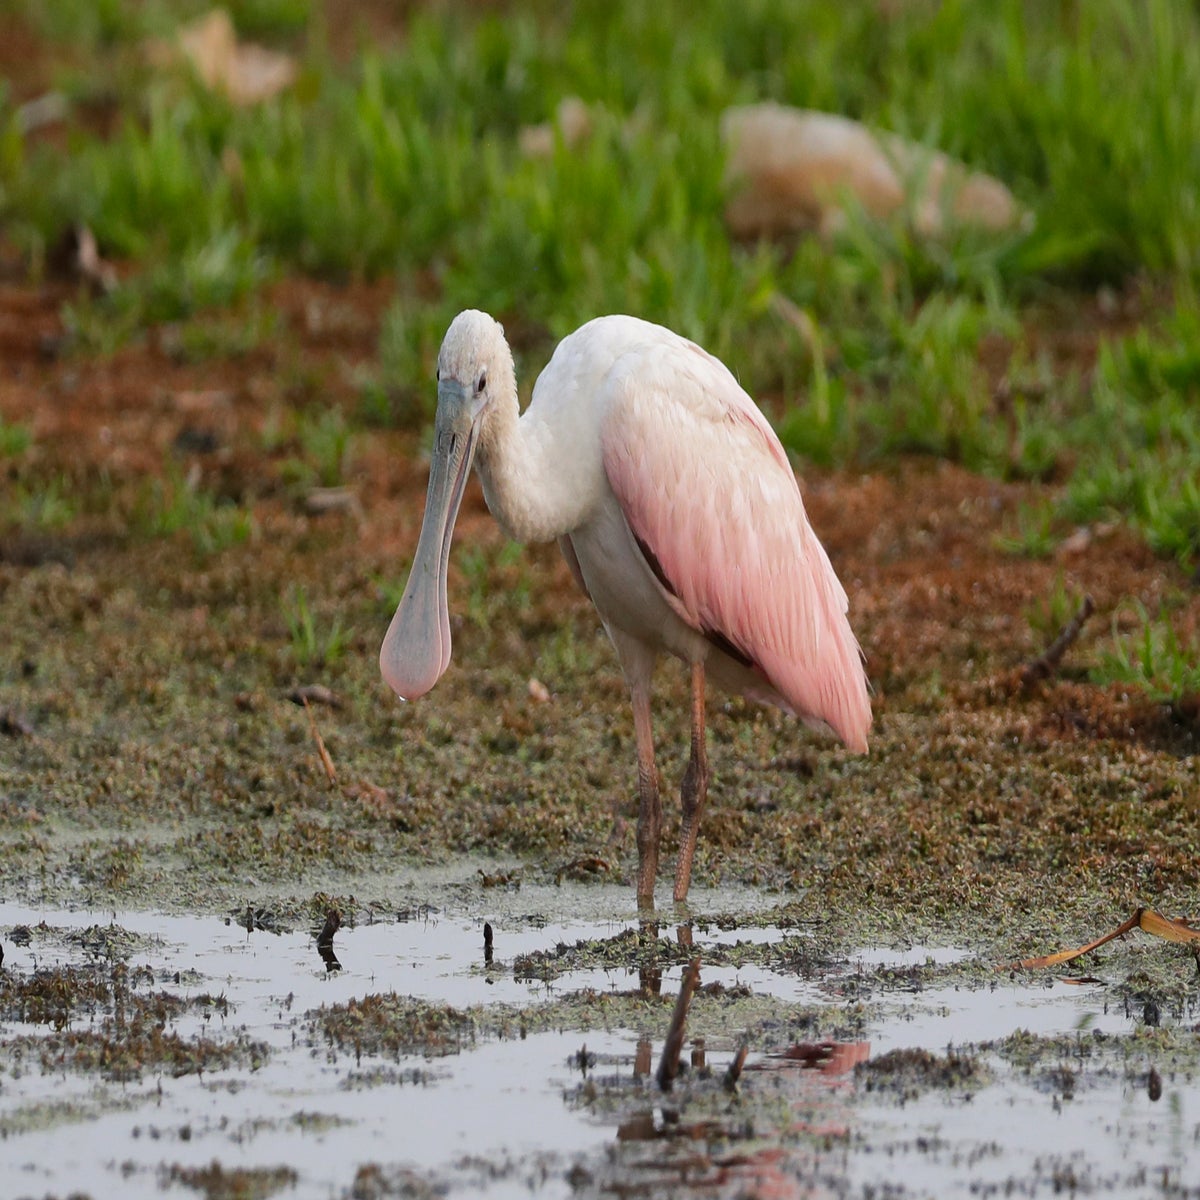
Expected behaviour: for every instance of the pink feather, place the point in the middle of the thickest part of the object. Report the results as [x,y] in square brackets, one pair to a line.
[706,486]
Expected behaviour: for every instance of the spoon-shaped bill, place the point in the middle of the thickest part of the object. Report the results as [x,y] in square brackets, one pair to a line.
[416,649]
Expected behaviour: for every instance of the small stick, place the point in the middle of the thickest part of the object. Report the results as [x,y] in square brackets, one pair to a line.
[326,761]
[668,1066]
[735,1068]
[1046,664]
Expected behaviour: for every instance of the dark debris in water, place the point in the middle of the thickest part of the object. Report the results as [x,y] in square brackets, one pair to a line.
[128,1049]
[644,949]
[375,1182]
[905,1074]
[216,1182]
[55,996]
[390,1025]
[128,1031]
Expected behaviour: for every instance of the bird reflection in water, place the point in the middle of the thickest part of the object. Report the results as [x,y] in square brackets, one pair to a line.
[333,922]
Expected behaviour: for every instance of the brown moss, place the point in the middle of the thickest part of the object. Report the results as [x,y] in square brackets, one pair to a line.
[167,765]
[390,1025]
[216,1182]
[905,1074]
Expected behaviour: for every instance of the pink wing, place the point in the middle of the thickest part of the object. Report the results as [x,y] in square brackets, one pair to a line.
[707,489]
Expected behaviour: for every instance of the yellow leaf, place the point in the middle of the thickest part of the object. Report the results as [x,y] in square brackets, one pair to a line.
[1144,918]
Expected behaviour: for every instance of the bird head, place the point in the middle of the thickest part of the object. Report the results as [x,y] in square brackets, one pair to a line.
[474,366]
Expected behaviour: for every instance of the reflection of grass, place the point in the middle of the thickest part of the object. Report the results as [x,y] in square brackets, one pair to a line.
[1154,659]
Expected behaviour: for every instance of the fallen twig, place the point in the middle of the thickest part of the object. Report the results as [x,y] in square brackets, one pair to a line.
[668,1066]
[326,761]
[1047,663]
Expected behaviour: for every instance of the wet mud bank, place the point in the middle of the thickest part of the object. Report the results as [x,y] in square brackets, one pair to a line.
[406,1054]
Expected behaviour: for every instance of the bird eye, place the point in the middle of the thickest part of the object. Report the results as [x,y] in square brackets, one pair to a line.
[481,385]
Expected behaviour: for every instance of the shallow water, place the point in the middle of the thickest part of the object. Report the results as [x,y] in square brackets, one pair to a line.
[504,1116]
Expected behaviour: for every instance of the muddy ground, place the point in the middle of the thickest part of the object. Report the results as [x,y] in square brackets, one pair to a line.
[172,845]
[153,760]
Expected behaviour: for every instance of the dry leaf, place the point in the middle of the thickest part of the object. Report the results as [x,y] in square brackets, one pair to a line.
[1144,918]
[538,691]
[1163,927]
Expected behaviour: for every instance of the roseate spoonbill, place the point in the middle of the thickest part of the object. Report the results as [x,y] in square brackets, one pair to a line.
[679,515]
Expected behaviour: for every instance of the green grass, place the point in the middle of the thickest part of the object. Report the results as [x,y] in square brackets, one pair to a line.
[1088,110]
[46,506]
[1155,659]
[310,645]
[1141,431]
[15,438]
[1048,616]
[172,506]
[406,163]
[240,333]
[93,25]
[325,441]
[498,583]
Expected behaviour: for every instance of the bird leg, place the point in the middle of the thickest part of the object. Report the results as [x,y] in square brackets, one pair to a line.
[695,787]
[649,828]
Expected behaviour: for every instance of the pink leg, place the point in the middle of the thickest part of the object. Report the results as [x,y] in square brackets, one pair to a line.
[650,807]
[695,787]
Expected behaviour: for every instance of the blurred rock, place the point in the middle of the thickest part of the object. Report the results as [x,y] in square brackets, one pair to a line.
[247,73]
[572,120]
[321,500]
[52,108]
[792,169]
